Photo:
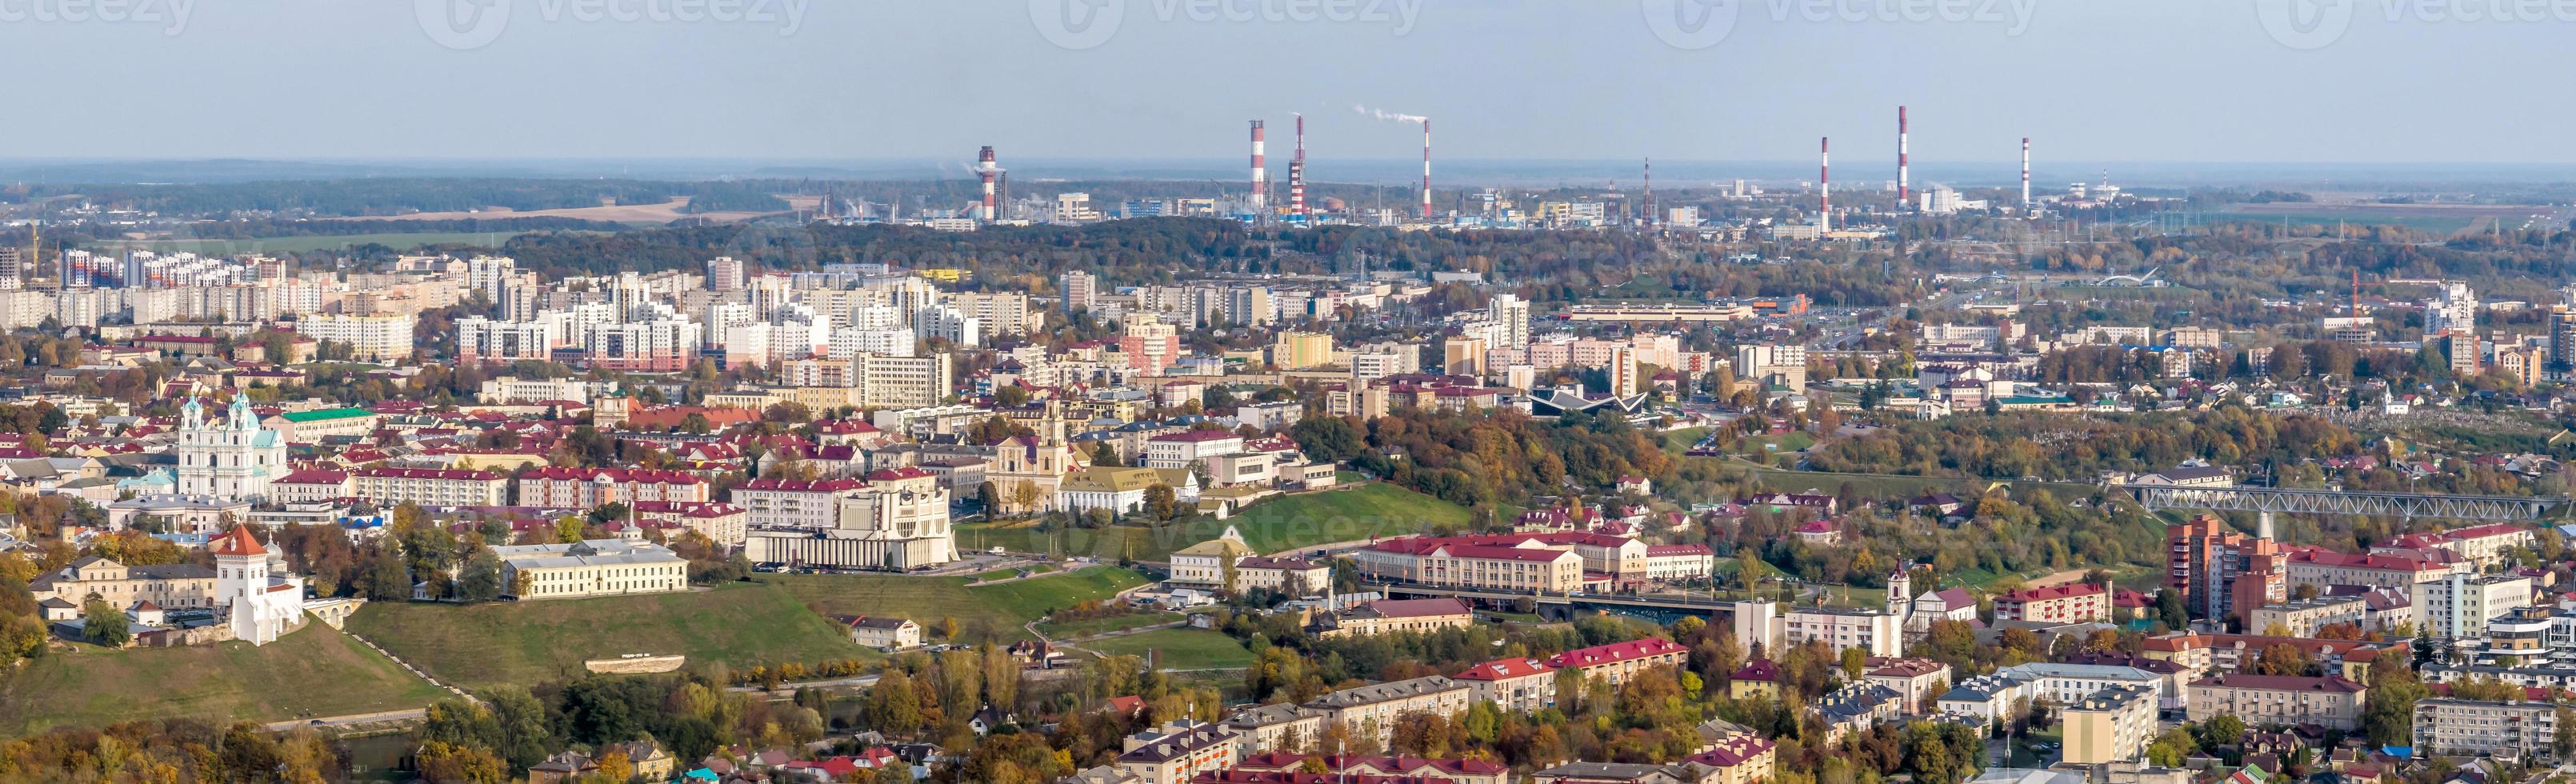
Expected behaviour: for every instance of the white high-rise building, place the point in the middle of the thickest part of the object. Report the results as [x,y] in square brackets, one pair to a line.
[725,273]
[1079,290]
[2455,309]
[1513,314]
[380,338]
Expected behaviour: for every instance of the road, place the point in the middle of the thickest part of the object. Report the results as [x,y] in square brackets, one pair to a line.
[787,689]
[352,720]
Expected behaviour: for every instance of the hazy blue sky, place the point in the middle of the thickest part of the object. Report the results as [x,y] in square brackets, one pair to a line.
[2113,80]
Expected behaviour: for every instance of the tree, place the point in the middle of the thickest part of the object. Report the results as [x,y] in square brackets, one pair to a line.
[387,579]
[1161,503]
[2170,610]
[481,580]
[2223,730]
[105,624]
[445,762]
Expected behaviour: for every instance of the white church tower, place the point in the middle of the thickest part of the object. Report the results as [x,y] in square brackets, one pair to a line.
[250,585]
[237,459]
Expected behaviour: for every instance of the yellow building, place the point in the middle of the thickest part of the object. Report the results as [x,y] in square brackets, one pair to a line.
[1302,350]
[2111,726]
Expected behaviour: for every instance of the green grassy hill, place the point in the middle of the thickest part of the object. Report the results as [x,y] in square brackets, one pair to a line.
[1180,649]
[531,642]
[316,671]
[1000,611]
[1375,509]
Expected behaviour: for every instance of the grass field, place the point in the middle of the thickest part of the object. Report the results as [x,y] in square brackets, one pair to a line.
[316,671]
[1091,626]
[996,611]
[1181,649]
[1014,571]
[1373,509]
[309,243]
[532,642]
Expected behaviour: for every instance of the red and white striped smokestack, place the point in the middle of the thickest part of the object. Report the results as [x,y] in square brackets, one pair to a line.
[2025,174]
[1297,172]
[1901,183]
[984,167]
[1651,217]
[1260,174]
[1426,168]
[1825,184]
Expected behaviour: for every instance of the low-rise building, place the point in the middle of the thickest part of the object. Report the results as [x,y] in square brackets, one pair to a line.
[2056,604]
[591,567]
[885,633]
[1519,686]
[170,586]
[2447,727]
[2329,701]
[1619,661]
[1397,615]
[1177,752]
[1371,711]
[2303,618]
[388,487]
[2112,725]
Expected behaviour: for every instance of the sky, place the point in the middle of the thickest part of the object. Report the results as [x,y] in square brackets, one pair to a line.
[2276,81]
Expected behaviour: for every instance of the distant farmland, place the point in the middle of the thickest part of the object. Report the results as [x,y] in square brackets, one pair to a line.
[302,244]
[2435,218]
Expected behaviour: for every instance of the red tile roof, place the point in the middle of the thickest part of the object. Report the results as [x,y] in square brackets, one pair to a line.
[1500,669]
[802,485]
[1615,652]
[432,473]
[238,542]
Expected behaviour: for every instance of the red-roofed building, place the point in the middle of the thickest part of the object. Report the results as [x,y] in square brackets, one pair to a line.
[1742,759]
[2329,701]
[2056,604]
[1399,615]
[237,542]
[1367,769]
[1514,685]
[1618,661]
[794,503]
[2322,568]
[1187,449]
[722,523]
[388,487]
[585,488]
[311,484]
[2481,545]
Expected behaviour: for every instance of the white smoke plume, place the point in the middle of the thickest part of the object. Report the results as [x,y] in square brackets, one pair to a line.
[1383,114]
